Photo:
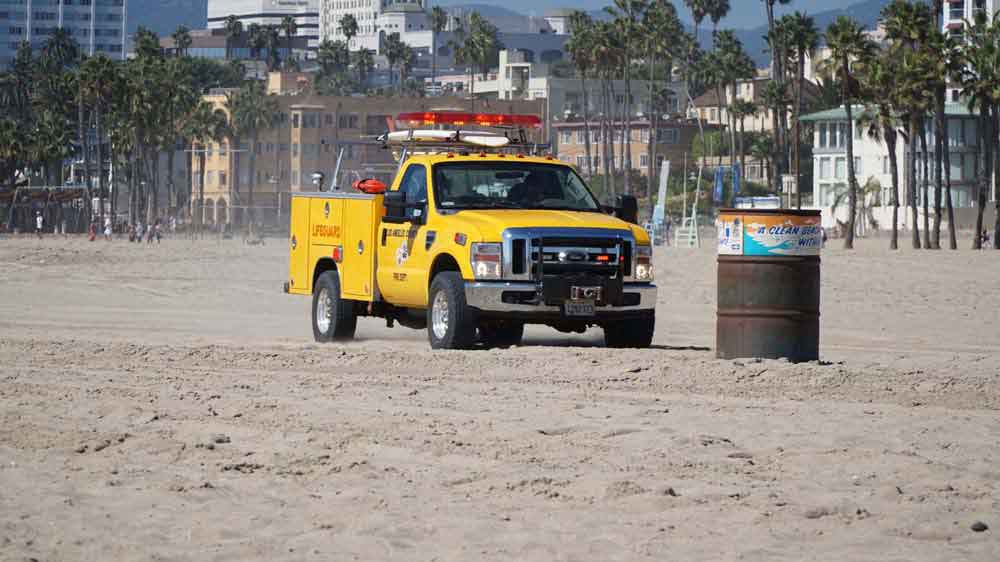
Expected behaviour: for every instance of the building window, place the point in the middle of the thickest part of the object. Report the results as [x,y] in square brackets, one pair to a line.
[565,137]
[328,119]
[643,160]
[822,135]
[295,178]
[295,120]
[295,149]
[581,161]
[580,137]
[840,168]
[270,147]
[222,178]
[668,136]
[644,136]
[857,165]
[283,147]
[824,168]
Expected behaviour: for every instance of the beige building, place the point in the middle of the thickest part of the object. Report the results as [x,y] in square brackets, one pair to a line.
[713,112]
[310,134]
[674,141]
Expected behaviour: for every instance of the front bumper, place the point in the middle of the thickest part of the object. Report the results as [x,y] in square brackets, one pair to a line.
[488,296]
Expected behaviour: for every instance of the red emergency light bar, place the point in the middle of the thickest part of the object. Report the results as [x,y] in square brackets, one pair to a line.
[460,118]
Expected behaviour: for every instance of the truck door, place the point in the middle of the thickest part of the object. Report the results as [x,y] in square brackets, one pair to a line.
[402,252]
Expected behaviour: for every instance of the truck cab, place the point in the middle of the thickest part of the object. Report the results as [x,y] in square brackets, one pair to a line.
[471,245]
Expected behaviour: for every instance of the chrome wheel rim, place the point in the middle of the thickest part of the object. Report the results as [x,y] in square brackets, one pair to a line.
[439,315]
[323,306]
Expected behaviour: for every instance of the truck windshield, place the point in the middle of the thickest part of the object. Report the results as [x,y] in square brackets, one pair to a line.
[510,185]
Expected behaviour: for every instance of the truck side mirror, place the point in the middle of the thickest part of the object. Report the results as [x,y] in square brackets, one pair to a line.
[627,209]
[395,207]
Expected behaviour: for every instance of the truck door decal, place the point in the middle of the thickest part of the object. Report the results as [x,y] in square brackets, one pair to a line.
[429,239]
[403,252]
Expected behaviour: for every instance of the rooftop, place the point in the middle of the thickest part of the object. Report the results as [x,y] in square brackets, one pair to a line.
[840,114]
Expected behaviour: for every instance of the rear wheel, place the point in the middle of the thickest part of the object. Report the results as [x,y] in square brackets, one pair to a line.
[451,324]
[503,333]
[631,332]
[333,318]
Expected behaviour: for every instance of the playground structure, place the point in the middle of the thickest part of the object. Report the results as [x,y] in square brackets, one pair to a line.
[64,208]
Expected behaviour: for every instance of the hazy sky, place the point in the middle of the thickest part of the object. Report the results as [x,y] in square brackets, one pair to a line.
[744,13]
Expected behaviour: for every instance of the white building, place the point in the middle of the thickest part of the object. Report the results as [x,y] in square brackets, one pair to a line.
[406,16]
[97,25]
[268,12]
[955,14]
[871,162]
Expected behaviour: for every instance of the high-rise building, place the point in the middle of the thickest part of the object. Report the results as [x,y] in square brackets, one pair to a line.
[956,13]
[97,25]
[268,12]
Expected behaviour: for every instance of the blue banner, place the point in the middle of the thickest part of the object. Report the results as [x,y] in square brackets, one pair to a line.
[737,178]
[719,185]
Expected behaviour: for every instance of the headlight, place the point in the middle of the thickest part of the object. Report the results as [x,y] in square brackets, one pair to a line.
[487,260]
[643,263]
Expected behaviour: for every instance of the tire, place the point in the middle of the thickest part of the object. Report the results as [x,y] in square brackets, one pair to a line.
[456,322]
[334,319]
[632,332]
[505,334]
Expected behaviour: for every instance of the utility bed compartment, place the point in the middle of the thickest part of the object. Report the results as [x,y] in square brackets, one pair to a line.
[335,226]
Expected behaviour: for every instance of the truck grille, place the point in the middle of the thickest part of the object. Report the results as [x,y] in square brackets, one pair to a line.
[540,252]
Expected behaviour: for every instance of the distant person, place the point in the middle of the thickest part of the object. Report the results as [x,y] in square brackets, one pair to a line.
[984,239]
[131,232]
[91,232]
[39,223]
[157,232]
[173,224]
[107,229]
[150,232]
[139,231]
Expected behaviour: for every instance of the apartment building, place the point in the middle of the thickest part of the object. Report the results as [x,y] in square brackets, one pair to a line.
[715,112]
[97,25]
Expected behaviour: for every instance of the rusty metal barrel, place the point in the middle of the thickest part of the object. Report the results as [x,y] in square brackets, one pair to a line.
[769,284]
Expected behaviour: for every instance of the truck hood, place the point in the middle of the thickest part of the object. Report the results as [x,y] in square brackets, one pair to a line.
[491,223]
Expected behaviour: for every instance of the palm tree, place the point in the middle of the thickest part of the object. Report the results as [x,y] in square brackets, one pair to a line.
[762,149]
[255,40]
[804,40]
[364,61]
[147,43]
[99,80]
[290,28]
[881,120]
[60,49]
[978,77]
[778,53]
[272,34]
[234,30]
[741,109]
[908,26]
[182,40]
[716,10]
[252,111]
[662,29]
[394,52]
[332,56]
[735,65]
[204,125]
[628,14]
[349,27]
[848,43]
[438,21]
[579,48]
[773,99]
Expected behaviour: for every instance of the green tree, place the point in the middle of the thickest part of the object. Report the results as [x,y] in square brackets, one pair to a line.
[579,47]
[804,40]
[203,125]
[234,31]
[182,40]
[290,28]
[881,119]
[628,15]
[349,27]
[848,43]
[99,80]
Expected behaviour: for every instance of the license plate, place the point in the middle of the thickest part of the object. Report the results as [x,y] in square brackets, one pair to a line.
[579,308]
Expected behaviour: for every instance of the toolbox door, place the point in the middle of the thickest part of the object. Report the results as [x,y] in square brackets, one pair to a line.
[299,278]
[357,269]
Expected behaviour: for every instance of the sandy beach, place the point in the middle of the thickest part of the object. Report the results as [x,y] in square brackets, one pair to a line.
[166,402]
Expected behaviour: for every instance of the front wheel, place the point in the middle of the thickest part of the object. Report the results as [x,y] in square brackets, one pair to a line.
[631,332]
[333,318]
[451,324]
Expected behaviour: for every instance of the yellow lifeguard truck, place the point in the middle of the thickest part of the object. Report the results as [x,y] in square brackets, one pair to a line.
[475,238]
